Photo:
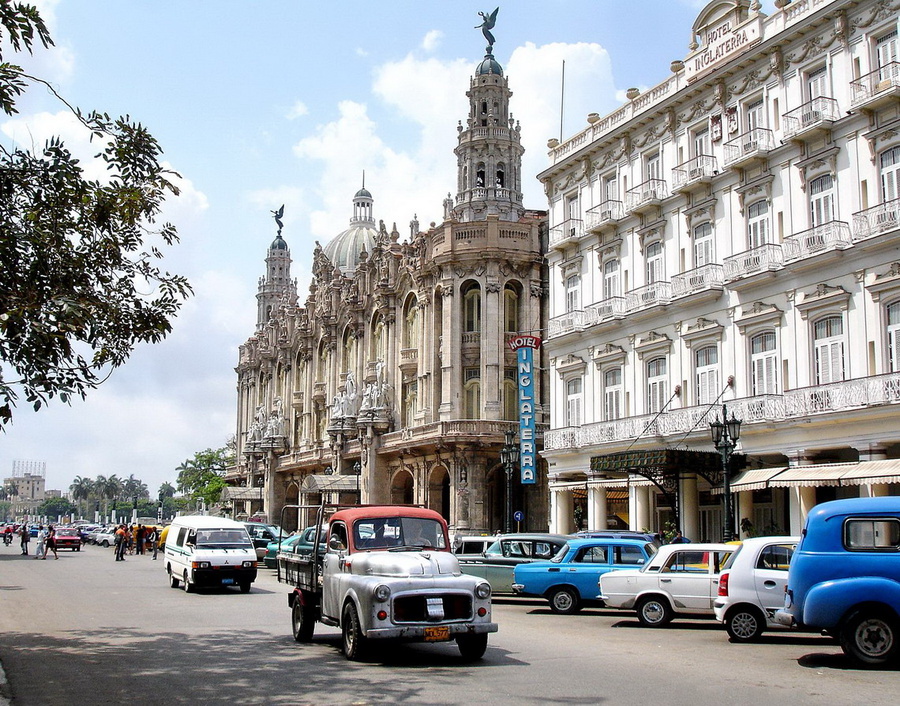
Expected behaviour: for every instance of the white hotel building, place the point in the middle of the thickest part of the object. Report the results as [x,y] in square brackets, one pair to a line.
[732,235]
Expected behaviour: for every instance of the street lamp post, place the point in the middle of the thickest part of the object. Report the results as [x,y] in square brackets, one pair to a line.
[357,471]
[725,435]
[509,456]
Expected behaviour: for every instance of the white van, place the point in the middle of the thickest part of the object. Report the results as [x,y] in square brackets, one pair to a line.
[209,551]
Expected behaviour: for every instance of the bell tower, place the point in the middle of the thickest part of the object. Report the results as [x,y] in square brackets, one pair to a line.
[489,152]
[277,281]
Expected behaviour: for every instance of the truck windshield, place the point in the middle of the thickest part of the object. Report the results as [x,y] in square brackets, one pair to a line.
[223,539]
[392,532]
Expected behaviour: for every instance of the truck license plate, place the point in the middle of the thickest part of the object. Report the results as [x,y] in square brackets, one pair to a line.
[227,582]
[437,633]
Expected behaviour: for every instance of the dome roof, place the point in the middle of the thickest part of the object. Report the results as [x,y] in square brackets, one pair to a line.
[488,65]
[345,249]
[278,244]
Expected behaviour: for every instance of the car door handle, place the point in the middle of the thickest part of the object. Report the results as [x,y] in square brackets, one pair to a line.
[769,584]
[665,580]
[553,570]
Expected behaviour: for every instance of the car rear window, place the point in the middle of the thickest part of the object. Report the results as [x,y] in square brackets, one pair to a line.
[879,534]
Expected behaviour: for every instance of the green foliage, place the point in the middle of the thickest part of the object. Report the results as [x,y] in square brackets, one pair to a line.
[80,280]
[54,507]
[201,478]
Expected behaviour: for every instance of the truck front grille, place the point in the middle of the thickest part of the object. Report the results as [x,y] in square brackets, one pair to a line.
[416,608]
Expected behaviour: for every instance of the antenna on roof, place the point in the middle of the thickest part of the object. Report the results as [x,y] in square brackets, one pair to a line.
[364,179]
[562,100]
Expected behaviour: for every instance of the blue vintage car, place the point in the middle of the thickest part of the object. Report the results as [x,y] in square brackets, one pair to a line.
[569,580]
[844,577]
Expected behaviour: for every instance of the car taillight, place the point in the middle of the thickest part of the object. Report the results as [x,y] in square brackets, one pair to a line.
[723,585]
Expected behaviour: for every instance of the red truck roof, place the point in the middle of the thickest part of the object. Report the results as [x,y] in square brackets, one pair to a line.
[350,515]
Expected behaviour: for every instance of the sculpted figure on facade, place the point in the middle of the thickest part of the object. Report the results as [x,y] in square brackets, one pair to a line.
[258,429]
[275,424]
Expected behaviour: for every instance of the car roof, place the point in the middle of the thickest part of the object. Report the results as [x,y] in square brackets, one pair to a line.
[535,536]
[351,515]
[666,549]
[207,522]
[619,541]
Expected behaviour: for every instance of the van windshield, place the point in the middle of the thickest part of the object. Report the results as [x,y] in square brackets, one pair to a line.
[223,539]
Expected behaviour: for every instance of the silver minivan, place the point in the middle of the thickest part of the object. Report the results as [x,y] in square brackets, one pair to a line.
[209,551]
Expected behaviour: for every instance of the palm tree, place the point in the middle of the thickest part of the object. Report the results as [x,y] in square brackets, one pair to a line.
[167,490]
[81,489]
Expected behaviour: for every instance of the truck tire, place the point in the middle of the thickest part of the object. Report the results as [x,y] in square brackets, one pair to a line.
[187,584]
[472,647]
[564,601]
[869,637]
[355,643]
[745,624]
[654,612]
[244,586]
[303,622]
[173,579]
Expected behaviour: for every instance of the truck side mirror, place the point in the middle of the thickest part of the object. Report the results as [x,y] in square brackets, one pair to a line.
[335,544]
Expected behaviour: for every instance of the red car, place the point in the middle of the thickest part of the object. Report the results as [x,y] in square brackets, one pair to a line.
[68,538]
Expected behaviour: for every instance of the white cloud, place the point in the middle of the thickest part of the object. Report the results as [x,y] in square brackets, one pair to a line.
[298,110]
[432,40]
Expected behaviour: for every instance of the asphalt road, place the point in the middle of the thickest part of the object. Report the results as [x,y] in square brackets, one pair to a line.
[88,630]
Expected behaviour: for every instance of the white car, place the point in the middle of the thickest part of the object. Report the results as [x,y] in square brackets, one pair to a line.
[751,587]
[106,537]
[679,579]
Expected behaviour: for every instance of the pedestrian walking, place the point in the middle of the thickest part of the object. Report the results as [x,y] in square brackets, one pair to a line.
[139,538]
[154,541]
[50,542]
[121,542]
[25,538]
[41,551]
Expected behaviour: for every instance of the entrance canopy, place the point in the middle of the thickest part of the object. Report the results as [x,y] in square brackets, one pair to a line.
[321,482]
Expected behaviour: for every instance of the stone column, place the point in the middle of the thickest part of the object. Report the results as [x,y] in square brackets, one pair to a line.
[689,512]
[640,517]
[554,505]
[492,341]
[565,512]
[451,370]
[598,512]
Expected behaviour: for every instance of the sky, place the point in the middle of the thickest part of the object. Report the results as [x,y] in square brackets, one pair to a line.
[259,104]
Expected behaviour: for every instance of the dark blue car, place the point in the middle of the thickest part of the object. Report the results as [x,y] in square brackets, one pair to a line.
[569,580]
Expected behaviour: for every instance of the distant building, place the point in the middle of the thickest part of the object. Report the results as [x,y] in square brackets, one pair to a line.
[392,381]
[25,488]
[731,236]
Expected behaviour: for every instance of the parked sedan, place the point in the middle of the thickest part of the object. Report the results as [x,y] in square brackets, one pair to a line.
[68,538]
[569,580]
[679,579]
[300,543]
[105,537]
[751,587]
[499,560]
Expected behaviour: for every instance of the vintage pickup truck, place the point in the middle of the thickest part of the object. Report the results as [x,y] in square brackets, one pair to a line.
[387,572]
[844,577]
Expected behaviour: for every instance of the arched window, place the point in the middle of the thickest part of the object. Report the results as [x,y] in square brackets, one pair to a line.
[501,176]
[479,175]
[893,336]
[378,340]
[511,309]
[472,309]
[821,200]
[348,361]
[411,324]
[829,349]
[612,394]
[611,279]
[573,293]
[657,385]
[703,245]
[472,395]
[510,396]
[654,259]
[573,402]
[890,174]
[706,361]
[764,364]
[758,223]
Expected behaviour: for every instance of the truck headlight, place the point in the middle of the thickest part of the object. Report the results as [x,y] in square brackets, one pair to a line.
[200,565]
[249,564]
[382,592]
[483,590]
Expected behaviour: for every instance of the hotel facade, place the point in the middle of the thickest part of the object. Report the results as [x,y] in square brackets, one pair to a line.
[731,236]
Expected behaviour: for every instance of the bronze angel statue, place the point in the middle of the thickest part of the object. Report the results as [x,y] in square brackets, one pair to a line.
[487,25]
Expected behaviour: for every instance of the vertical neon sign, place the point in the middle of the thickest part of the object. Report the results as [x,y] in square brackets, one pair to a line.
[524,346]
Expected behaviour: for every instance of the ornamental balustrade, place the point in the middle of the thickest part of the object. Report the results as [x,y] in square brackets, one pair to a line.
[650,192]
[834,235]
[709,276]
[606,212]
[876,220]
[649,295]
[570,229]
[701,167]
[841,396]
[809,115]
[764,258]
[611,308]
[884,79]
[751,144]
[570,321]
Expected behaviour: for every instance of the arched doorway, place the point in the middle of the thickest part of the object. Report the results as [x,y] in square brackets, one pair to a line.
[439,492]
[291,497]
[402,489]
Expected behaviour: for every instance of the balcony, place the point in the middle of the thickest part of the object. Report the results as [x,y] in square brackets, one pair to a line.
[566,232]
[876,220]
[793,405]
[750,147]
[655,294]
[811,118]
[604,216]
[705,278]
[876,89]
[834,235]
[409,360]
[612,308]
[566,323]
[694,173]
[765,258]
[645,196]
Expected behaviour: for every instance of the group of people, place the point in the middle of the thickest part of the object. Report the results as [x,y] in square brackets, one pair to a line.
[135,540]
[46,541]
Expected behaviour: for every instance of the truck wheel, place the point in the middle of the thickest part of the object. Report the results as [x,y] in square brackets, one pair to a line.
[355,643]
[187,584]
[173,579]
[564,601]
[303,622]
[870,637]
[245,587]
[745,624]
[472,647]
[654,612]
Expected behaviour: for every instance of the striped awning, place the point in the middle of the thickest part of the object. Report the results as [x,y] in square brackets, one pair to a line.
[817,475]
[872,472]
[754,479]
[320,482]
[813,476]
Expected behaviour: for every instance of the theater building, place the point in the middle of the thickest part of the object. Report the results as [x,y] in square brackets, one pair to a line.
[730,236]
[392,381]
